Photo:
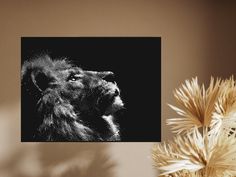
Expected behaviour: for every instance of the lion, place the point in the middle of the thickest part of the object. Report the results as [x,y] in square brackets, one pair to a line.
[63,102]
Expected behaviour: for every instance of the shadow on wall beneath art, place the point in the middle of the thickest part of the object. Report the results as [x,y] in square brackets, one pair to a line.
[48,159]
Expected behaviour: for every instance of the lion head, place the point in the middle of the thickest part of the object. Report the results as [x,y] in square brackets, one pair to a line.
[62,102]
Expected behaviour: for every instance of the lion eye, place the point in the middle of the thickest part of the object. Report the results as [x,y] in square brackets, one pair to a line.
[74,77]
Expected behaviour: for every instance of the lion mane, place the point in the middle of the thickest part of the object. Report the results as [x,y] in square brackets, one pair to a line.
[62,102]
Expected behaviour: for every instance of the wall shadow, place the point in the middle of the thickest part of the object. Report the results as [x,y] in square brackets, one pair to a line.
[48,159]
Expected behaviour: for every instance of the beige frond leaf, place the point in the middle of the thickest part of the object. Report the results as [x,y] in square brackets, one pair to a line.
[225,109]
[227,99]
[212,94]
[197,105]
[181,124]
[185,153]
[222,155]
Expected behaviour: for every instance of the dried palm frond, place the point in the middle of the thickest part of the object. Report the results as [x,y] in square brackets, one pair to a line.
[226,102]
[191,156]
[184,153]
[222,155]
[197,105]
[211,152]
[224,117]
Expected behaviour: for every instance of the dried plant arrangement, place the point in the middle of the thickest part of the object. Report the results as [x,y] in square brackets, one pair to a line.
[205,141]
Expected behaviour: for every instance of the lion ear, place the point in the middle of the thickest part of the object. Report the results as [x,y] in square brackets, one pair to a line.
[40,80]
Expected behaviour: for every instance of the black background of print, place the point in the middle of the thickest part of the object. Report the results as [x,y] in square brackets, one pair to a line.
[136,62]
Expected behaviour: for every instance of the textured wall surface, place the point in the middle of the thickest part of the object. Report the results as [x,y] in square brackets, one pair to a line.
[198,39]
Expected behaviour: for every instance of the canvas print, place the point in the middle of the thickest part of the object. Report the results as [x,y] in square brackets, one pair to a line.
[96,89]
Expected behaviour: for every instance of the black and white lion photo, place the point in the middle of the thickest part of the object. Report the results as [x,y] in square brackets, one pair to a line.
[68,103]
[90,89]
